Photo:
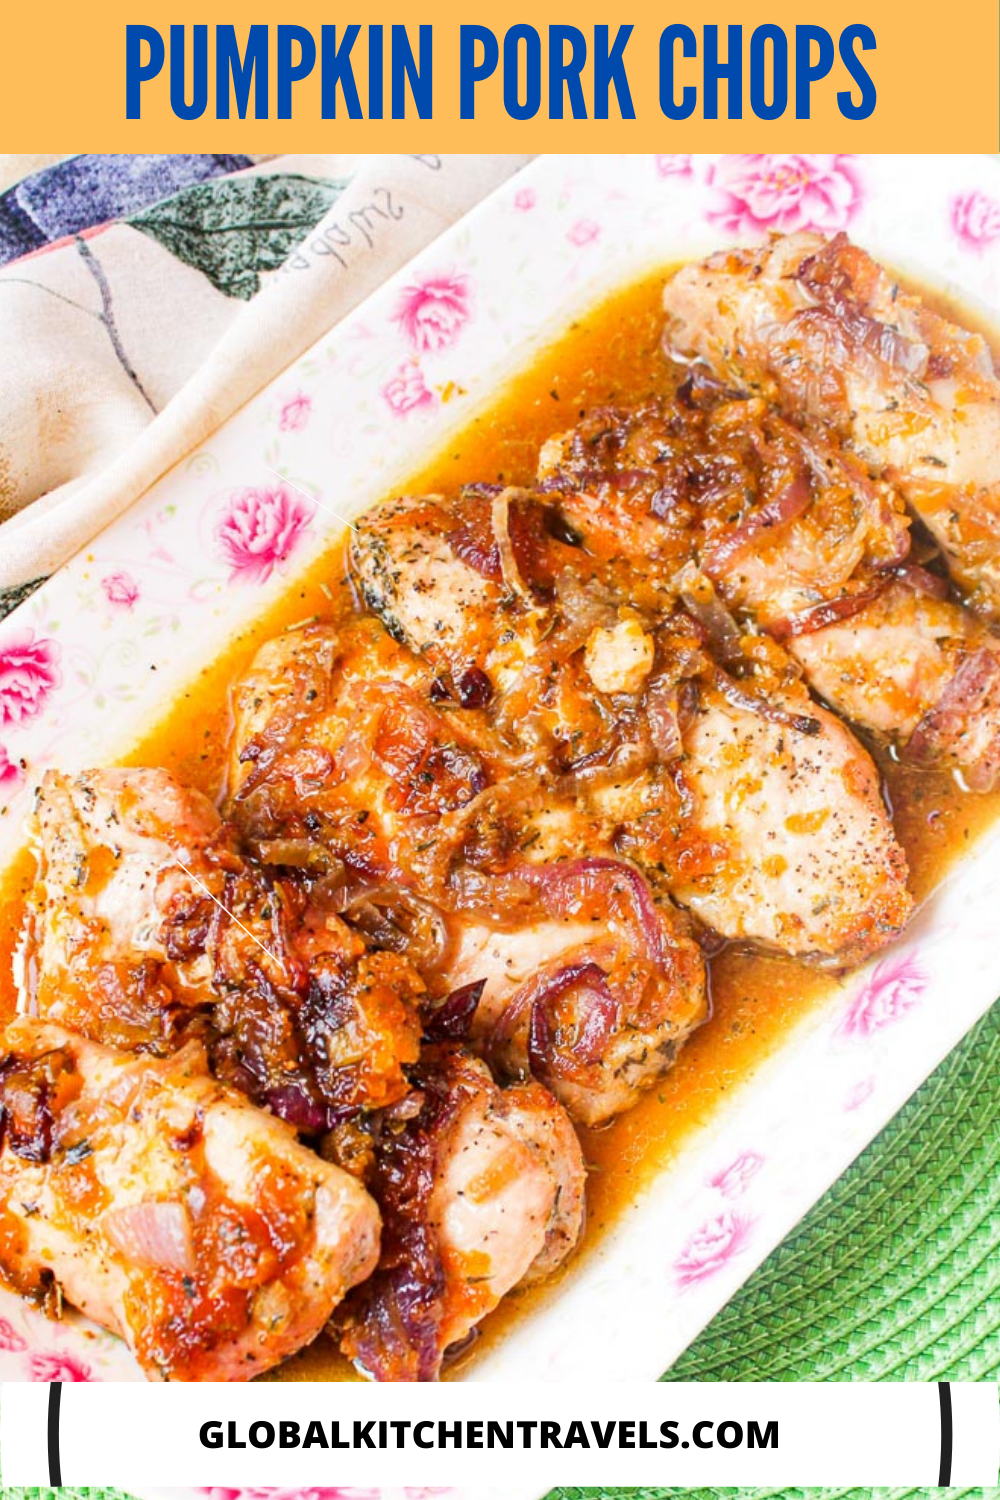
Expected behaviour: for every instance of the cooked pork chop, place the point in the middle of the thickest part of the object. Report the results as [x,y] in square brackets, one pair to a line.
[149,925]
[121,854]
[790,531]
[340,744]
[921,672]
[620,1024]
[168,1209]
[593,994]
[830,333]
[448,578]
[809,864]
[665,692]
[481,1191]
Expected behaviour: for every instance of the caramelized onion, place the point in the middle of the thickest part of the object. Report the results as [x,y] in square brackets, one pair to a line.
[452,1020]
[740,696]
[600,1019]
[554,880]
[298,854]
[827,280]
[829,613]
[582,608]
[397,920]
[500,521]
[787,505]
[293,1104]
[495,896]
[941,728]
[921,580]
[696,592]
[152,1234]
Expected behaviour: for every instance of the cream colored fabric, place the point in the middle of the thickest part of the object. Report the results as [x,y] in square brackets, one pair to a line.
[118,357]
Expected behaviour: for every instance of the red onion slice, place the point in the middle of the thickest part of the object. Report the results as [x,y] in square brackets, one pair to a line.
[511,573]
[554,879]
[533,1001]
[939,732]
[745,698]
[395,919]
[696,592]
[830,613]
[295,1106]
[152,1234]
[452,1020]
[829,282]
[601,1018]
[787,505]
[921,580]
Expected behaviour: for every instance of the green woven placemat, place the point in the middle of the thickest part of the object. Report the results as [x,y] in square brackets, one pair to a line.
[573,1493]
[895,1275]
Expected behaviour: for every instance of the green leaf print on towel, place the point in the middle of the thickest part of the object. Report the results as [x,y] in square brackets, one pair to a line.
[234,228]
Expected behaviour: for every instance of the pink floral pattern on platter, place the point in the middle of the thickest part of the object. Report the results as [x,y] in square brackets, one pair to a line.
[120,589]
[674,165]
[733,1181]
[859,1095]
[324,1492]
[433,312]
[29,674]
[64,1367]
[891,992]
[975,218]
[584,232]
[295,412]
[786,193]
[11,1342]
[11,777]
[260,529]
[525,200]
[407,391]
[711,1247]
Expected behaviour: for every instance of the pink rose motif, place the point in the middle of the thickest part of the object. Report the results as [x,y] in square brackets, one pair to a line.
[407,390]
[64,1367]
[338,1492]
[674,165]
[433,312]
[11,777]
[734,1180]
[859,1095]
[975,218]
[892,991]
[260,529]
[295,413]
[29,672]
[786,193]
[120,588]
[10,1339]
[525,200]
[584,232]
[711,1247]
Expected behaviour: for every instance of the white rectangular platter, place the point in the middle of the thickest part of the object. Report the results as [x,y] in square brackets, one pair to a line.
[91,659]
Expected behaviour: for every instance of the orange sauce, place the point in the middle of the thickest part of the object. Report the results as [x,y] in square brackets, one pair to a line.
[609,355]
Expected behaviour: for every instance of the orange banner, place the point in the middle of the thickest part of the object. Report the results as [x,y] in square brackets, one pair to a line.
[875,76]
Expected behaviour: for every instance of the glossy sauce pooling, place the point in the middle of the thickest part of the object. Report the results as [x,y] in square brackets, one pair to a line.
[611,355]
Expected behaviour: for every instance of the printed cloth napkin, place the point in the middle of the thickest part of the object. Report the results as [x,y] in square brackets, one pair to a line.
[145,298]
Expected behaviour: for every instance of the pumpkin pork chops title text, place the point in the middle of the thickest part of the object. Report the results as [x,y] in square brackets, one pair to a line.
[558,71]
